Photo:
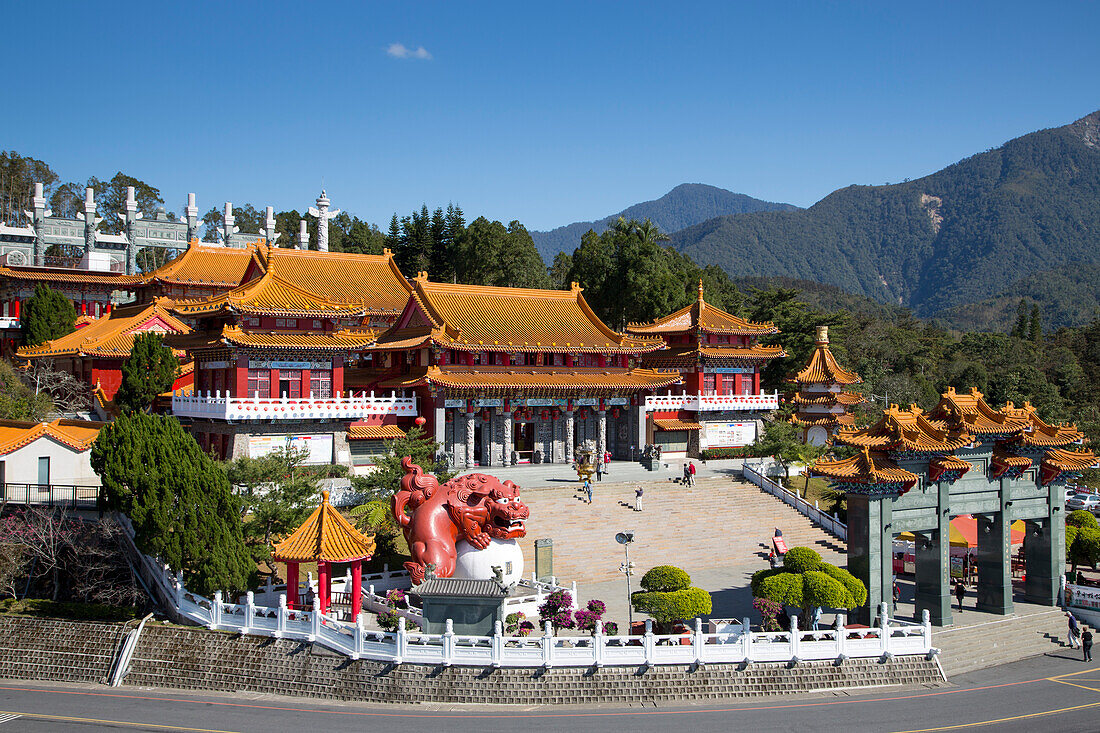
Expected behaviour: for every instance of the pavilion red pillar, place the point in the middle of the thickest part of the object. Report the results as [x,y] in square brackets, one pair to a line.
[756,382]
[292,585]
[356,588]
[324,584]
[737,383]
[83,307]
[15,313]
[337,375]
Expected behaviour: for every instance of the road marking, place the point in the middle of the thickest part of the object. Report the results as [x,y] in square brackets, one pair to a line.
[980,723]
[6,715]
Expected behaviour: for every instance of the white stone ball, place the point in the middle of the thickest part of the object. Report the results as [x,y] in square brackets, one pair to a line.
[478,564]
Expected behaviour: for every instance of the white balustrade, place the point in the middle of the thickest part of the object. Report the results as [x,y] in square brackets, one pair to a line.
[829,523]
[712,403]
[349,405]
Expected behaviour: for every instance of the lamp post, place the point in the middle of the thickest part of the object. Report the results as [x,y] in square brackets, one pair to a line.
[627,569]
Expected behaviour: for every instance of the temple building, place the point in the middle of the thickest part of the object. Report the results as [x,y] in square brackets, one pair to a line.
[95,352]
[511,375]
[719,402]
[271,355]
[914,471]
[822,403]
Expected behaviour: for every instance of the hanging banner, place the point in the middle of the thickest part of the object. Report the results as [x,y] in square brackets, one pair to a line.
[586,401]
[1083,596]
[270,364]
[489,402]
[454,403]
[727,370]
[539,402]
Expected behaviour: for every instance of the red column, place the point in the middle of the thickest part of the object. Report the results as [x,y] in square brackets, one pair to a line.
[356,588]
[698,380]
[324,584]
[274,383]
[305,383]
[15,313]
[292,585]
[337,375]
[756,382]
[240,378]
[107,310]
[737,383]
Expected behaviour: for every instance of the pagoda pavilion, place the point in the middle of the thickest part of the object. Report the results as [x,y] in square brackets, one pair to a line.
[325,538]
[270,355]
[822,402]
[719,402]
[508,375]
[913,471]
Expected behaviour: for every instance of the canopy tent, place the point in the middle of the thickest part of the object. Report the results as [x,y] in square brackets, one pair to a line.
[964,532]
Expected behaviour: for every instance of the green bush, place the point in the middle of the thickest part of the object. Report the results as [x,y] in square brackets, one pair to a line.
[1085,549]
[826,591]
[1071,535]
[665,579]
[78,611]
[783,588]
[801,560]
[717,454]
[1082,519]
[668,608]
[758,577]
[855,586]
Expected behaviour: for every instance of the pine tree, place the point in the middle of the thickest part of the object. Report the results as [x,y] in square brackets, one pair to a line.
[150,371]
[178,499]
[1020,329]
[1035,327]
[46,315]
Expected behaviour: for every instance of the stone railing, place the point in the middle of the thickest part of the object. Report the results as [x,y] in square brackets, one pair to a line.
[350,405]
[712,403]
[829,523]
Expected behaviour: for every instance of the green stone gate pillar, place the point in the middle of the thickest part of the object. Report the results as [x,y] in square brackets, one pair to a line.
[933,574]
[870,551]
[1042,564]
[994,570]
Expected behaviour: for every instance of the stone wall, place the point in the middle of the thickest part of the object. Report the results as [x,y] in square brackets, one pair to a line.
[196,659]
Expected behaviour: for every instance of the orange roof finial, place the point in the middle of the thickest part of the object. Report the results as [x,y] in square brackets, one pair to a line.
[324,497]
[822,334]
[700,290]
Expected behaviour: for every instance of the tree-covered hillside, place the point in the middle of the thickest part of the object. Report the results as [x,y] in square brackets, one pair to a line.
[683,206]
[963,234]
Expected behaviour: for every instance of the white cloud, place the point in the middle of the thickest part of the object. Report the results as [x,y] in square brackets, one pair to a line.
[401,51]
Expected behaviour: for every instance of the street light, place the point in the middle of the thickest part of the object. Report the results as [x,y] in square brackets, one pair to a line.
[627,569]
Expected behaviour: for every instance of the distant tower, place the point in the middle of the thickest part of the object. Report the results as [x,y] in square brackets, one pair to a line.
[192,214]
[323,215]
[821,402]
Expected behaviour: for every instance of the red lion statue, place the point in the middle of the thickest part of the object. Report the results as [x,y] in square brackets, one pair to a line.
[475,507]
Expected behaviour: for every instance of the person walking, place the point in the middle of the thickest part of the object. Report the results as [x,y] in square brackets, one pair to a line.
[588,489]
[1074,630]
[1086,644]
[638,499]
[687,475]
[816,618]
[960,593]
[691,474]
[897,593]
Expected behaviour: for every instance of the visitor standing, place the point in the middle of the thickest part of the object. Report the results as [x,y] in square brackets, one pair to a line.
[687,475]
[607,461]
[816,618]
[960,593]
[691,473]
[638,499]
[588,489]
[1074,630]
[896,593]
[1086,644]
[599,469]
[310,595]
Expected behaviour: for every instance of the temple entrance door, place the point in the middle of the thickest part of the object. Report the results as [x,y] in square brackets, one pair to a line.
[477,443]
[523,440]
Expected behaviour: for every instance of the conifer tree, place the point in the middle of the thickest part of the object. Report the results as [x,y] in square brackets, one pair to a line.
[178,499]
[46,315]
[1035,327]
[1021,327]
[150,371]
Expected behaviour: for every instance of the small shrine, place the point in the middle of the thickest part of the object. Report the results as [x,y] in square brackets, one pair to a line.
[822,403]
[326,537]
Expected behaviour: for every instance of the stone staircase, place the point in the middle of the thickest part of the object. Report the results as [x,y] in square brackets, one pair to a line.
[966,647]
[719,522]
[67,651]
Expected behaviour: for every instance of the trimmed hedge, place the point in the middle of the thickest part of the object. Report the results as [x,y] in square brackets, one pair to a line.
[1082,519]
[801,560]
[679,605]
[665,579]
[855,587]
[717,454]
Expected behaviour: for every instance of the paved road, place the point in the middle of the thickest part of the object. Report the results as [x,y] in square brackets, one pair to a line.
[1055,693]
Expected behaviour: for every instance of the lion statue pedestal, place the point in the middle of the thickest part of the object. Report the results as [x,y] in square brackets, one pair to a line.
[478,564]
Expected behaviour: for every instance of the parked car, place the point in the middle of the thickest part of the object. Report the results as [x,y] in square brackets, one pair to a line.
[1088,502]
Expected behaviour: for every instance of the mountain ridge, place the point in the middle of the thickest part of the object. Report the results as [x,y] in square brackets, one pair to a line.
[684,205]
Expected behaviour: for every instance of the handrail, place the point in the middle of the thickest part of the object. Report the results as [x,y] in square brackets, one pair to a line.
[70,495]
[827,522]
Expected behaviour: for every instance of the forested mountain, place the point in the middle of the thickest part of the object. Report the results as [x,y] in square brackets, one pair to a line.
[964,234]
[683,206]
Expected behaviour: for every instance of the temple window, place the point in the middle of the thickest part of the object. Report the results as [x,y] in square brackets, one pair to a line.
[746,384]
[320,383]
[280,323]
[316,324]
[290,383]
[259,383]
[253,321]
[559,360]
[517,359]
[708,384]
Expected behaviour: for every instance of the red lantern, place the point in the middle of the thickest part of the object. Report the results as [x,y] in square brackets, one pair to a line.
[557,414]
[518,415]
[450,416]
[485,415]
[545,414]
[420,420]
[615,413]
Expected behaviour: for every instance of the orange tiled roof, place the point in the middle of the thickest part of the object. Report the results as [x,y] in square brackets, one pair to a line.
[553,380]
[866,467]
[77,434]
[119,280]
[84,319]
[374,432]
[481,318]
[905,430]
[670,424]
[304,283]
[317,340]
[807,419]
[682,356]
[1069,460]
[972,413]
[827,398]
[111,336]
[207,265]
[1041,434]
[1002,461]
[325,536]
[701,317]
[822,368]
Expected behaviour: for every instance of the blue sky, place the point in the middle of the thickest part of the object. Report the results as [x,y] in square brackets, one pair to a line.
[544,112]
